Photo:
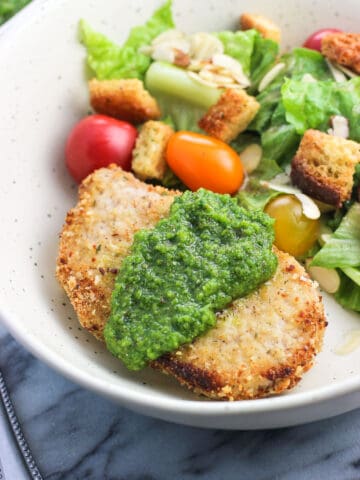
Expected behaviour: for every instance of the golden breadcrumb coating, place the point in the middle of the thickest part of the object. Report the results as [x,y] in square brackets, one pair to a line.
[262,343]
[97,235]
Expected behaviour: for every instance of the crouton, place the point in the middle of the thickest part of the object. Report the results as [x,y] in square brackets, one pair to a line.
[123,99]
[324,165]
[230,115]
[343,48]
[263,25]
[149,153]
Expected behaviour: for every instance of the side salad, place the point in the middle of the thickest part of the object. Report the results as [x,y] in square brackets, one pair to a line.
[235,113]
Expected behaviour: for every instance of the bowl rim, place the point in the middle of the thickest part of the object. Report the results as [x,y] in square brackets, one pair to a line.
[139,400]
[190,407]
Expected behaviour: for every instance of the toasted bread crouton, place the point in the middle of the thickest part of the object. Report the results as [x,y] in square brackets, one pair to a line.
[324,165]
[123,99]
[262,24]
[230,116]
[149,153]
[343,48]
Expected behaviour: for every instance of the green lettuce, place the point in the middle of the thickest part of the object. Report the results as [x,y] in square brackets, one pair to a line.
[299,62]
[348,294]
[353,274]
[312,104]
[8,8]
[343,248]
[279,138]
[268,168]
[280,143]
[263,58]
[255,53]
[239,45]
[254,196]
[109,61]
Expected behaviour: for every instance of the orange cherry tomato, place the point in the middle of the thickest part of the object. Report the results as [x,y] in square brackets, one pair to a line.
[204,162]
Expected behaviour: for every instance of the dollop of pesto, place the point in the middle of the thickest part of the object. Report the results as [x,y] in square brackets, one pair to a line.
[208,252]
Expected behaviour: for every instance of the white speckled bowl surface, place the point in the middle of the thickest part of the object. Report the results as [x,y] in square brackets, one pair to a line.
[43,93]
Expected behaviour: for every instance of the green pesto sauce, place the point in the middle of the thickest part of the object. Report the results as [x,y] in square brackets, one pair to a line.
[208,252]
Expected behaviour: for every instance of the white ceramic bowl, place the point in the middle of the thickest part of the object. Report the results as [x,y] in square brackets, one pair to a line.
[43,93]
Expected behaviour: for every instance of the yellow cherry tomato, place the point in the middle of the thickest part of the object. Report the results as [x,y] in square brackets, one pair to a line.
[204,162]
[294,233]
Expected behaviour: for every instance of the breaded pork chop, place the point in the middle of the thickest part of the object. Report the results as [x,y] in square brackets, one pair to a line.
[262,343]
[97,235]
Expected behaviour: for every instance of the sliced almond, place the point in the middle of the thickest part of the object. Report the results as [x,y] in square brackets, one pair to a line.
[282,178]
[308,78]
[309,207]
[232,66]
[270,76]
[336,73]
[196,76]
[214,77]
[339,126]
[327,278]
[173,38]
[250,157]
[349,73]
[163,53]
[204,46]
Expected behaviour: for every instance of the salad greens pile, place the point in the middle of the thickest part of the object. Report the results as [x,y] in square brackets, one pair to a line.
[8,8]
[108,60]
[303,95]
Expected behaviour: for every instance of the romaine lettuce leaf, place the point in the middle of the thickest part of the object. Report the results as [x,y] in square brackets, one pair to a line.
[268,168]
[348,294]
[299,62]
[255,53]
[353,273]
[254,197]
[109,61]
[343,248]
[312,104]
[239,45]
[280,143]
[263,58]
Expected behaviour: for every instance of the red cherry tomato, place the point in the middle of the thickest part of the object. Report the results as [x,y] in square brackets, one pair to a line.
[314,41]
[204,162]
[95,142]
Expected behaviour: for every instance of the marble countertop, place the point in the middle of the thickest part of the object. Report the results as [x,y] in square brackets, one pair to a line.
[74,434]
